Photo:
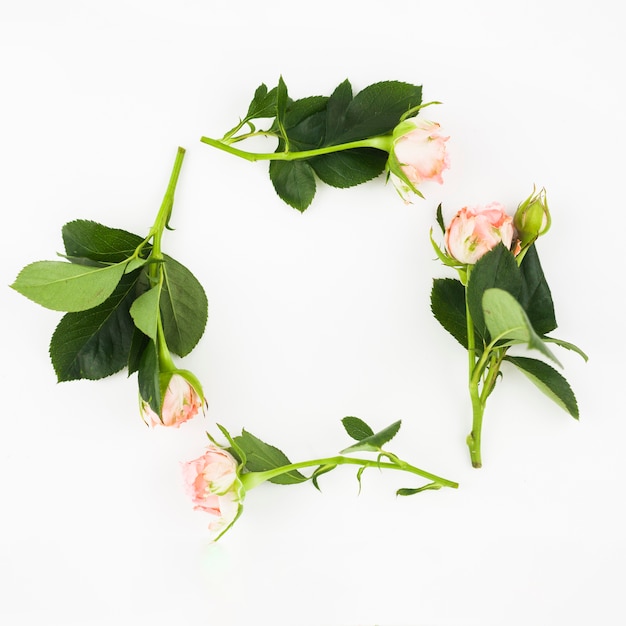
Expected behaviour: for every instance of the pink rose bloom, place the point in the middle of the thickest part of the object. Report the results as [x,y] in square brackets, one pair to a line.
[421,150]
[180,404]
[214,486]
[475,230]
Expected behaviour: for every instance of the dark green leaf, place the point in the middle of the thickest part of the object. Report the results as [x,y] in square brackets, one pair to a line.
[535,294]
[349,167]
[498,269]
[88,239]
[294,182]
[375,442]
[356,428]
[148,377]
[138,344]
[376,110]
[548,380]
[184,308]
[263,104]
[447,302]
[336,110]
[261,456]
[95,343]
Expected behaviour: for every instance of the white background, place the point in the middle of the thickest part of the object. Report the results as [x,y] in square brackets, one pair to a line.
[313,317]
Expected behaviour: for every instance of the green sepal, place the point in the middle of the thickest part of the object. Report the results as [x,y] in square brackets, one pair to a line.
[235,448]
[549,381]
[261,456]
[375,442]
[70,287]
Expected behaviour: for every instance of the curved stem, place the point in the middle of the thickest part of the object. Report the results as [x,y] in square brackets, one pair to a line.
[382,142]
[252,479]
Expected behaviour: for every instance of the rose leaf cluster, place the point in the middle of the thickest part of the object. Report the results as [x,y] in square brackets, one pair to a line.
[343,140]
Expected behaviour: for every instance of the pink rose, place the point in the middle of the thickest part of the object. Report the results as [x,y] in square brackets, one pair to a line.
[420,150]
[213,483]
[476,230]
[180,403]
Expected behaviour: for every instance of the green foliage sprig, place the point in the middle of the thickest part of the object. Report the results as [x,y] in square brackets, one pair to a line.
[342,139]
[502,301]
[127,303]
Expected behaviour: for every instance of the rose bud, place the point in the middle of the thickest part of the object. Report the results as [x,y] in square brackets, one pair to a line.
[181,402]
[532,218]
[212,481]
[418,155]
[476,230]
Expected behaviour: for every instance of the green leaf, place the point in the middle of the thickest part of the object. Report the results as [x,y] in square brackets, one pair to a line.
[356,428]
[95,343]
[567,345]
[507,321]
[138,344]
[336,109]
[447,303]
[261,456]
[263,104]
[282,99]
[145,312]
[148,377]
[94,241]
[549,381]
[497,268]
[535,296]
[349,167]
[374,443]
[294,182]
[376,110]
[62,286]
[183,306]
[305,122]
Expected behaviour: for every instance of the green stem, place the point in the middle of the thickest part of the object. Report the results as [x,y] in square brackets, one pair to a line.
[382,142]
[163,216]
[252,479]
[478,407]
